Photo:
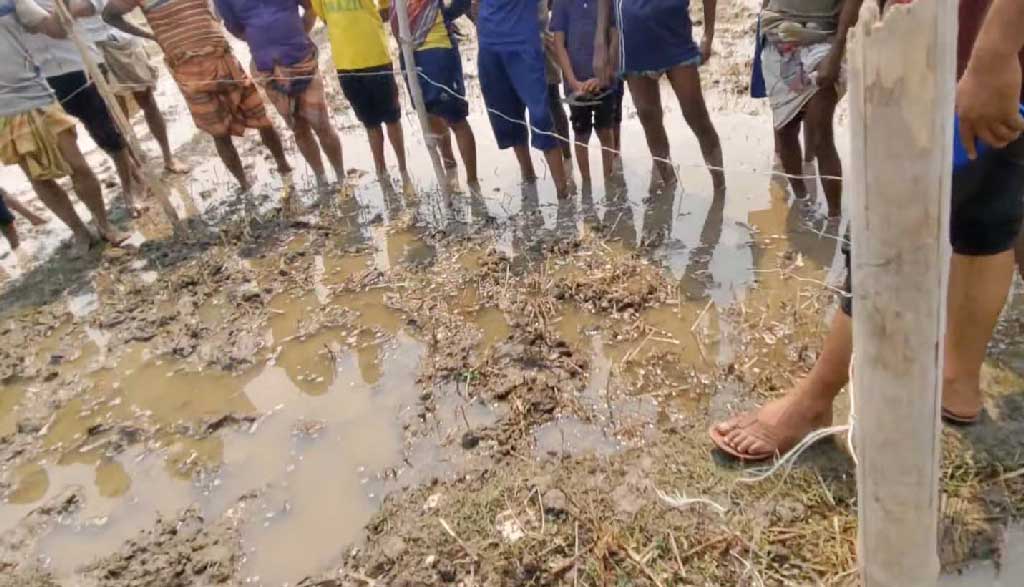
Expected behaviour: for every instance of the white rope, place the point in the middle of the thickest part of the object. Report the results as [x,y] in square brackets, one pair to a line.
[786,461]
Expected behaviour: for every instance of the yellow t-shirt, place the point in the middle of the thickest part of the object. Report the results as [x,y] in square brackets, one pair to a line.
[356,32]
[438,37]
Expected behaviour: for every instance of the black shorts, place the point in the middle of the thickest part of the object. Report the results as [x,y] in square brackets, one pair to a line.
[373,94]
[607,114]
[986,207]
[82,100]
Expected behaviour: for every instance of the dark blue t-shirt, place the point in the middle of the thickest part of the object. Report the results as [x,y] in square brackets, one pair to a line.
[578,20]
[508,24]
[655,34]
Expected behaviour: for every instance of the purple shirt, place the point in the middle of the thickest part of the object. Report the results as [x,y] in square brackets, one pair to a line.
[578,20]
[272,28]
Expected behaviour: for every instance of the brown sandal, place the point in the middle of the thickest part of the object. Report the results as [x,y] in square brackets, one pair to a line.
[960,419]
[769,434]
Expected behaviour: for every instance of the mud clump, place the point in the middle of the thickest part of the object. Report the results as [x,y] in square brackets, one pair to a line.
[179,552]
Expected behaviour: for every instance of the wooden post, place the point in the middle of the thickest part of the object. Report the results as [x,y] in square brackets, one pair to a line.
[902,82]
[154,184]
[412,76]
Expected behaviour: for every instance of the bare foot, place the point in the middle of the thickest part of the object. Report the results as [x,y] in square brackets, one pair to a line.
[82,244]
[114,236]
[173,165]
[961,400]
[775,428]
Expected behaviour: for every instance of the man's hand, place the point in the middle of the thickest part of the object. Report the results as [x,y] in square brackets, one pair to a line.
[828,70]
[706,50]
[988,103]
[590,86]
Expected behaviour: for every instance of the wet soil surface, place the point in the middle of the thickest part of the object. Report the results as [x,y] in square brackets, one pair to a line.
[385,385]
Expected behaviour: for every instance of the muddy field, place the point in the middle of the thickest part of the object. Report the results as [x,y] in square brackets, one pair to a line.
[382,386]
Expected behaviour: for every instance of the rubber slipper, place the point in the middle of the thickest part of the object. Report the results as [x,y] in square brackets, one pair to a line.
[770,435]
[959,419]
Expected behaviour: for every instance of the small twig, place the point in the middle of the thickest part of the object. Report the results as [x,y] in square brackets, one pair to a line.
[675,551]
[638,561]
[576,558]
[451,533]
[701,315]
[1011,475]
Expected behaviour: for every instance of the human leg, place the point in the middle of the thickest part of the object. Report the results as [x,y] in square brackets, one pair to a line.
[15,205]
[158,126]
[818,121]
[229,155]
[466,140]
[582,119]
[87,188]
[685,80]
[559,118]
[272,140]
[647,101]
[309,149]
[787,143]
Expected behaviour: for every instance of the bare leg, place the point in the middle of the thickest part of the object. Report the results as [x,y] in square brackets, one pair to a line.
[686,84]
[647,100]
[787,142]
[525,162]
[158,126]
[272,140]
[23,210]
[375,135]
[439,127]
[467,148]
[978,287]
[56,199]
[397,137]
[560,119]
[809,404]
[87,188]
[331,144]
[607,138]
[131,186]
[821,141]
[229,155]
[583,157]
[306,143]
[558,172]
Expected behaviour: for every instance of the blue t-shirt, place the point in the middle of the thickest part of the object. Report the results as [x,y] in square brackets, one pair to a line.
[508,24]
[578,20]
[655,35]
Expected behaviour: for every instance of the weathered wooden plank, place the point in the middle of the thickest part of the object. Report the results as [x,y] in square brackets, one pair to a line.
[902,83]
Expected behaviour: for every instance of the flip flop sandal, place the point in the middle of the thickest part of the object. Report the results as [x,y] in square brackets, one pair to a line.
[768,434]
[959,419]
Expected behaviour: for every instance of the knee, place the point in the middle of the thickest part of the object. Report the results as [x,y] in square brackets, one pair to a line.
[648,114]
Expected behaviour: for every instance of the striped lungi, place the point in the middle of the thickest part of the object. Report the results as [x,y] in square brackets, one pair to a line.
[221,96]
[297,91]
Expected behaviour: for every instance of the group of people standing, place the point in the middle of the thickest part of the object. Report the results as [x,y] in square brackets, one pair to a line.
[528,51]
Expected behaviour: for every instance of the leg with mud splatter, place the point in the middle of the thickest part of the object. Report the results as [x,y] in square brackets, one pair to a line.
[87,188]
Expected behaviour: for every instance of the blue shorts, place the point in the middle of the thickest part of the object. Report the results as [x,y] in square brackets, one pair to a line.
[444,67]
[373,94]
[512,82]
